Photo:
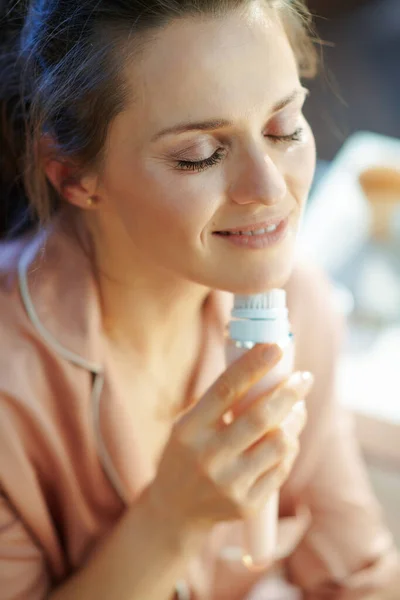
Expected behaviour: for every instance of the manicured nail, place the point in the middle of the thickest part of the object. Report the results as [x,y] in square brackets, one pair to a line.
[280,405]
[294,422]
[292,454]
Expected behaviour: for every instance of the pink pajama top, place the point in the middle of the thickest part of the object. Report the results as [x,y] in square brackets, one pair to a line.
[71,459]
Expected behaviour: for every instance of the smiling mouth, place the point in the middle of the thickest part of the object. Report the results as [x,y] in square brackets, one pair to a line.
[257,236]
[266,227]
[251,232]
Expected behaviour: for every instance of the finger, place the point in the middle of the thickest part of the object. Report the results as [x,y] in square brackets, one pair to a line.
[252,464]
[261,460]
[295,381]
[265,414]
[271,481]
[234,383]
[295,422]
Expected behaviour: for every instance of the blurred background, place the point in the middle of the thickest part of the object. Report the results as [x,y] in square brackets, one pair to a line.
[359,86]
[352,223]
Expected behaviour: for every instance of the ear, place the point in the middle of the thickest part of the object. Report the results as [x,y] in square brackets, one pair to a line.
[66,177]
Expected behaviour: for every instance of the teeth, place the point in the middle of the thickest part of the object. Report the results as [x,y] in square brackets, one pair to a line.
[268,229]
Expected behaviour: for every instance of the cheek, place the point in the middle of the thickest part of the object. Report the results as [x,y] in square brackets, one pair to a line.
[165,203]
[300,168]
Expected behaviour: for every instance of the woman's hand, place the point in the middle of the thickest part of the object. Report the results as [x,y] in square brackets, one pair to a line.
[211,471]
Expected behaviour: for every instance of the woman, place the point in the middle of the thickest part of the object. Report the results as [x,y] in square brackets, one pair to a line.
[160,136]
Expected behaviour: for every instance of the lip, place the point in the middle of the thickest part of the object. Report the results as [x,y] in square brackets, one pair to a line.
[256,242]
[255,226]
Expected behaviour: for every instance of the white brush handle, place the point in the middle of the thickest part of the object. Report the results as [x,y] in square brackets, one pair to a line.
[261,532]
[261,318]
[261,535]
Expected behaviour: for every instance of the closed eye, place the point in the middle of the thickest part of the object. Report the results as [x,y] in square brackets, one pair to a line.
[296,136]
[201,165]
[205,163]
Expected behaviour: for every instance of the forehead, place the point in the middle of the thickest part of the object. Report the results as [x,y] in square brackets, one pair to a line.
[212,67]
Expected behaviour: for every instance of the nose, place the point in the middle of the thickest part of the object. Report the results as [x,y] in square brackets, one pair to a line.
[257,180]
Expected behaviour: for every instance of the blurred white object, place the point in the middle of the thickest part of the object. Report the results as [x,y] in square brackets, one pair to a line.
[368,385]
[274,588]
[369,381]
[396,223]
[378,290]
[337,223]
[344,300]
[336,233]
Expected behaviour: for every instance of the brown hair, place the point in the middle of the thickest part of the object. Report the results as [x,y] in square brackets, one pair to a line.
[61,75]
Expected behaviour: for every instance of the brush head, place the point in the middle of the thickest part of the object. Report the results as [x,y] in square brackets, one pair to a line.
[261,318]
[274,299]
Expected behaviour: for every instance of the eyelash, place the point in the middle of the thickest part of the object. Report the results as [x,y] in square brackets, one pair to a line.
[296,136]
[201,165]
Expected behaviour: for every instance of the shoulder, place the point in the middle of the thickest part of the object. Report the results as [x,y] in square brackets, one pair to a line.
[44,416]
[10,253]
[17,333]
[38,387]
[312,300]
[43,403]
[316,319]
[24,353]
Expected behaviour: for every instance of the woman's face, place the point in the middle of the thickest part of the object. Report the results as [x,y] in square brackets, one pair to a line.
[214,143]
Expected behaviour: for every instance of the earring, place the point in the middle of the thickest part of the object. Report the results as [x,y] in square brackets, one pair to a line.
[90,201]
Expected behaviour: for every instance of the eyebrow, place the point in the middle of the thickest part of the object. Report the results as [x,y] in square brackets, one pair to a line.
[213,124]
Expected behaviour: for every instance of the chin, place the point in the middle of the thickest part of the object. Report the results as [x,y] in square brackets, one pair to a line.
[257,281]
[255,272]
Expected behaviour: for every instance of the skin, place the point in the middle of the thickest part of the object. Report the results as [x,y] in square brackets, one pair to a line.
[153,224]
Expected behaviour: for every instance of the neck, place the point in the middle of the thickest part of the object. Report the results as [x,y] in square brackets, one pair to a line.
[148,314]
[146,309]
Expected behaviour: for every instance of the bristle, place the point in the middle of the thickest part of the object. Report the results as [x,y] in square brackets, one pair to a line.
[269,300]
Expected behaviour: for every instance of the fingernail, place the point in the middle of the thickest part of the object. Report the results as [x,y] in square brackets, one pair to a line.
[280,404]
[272,353]
[292,454]
[294,422]
[301,382]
